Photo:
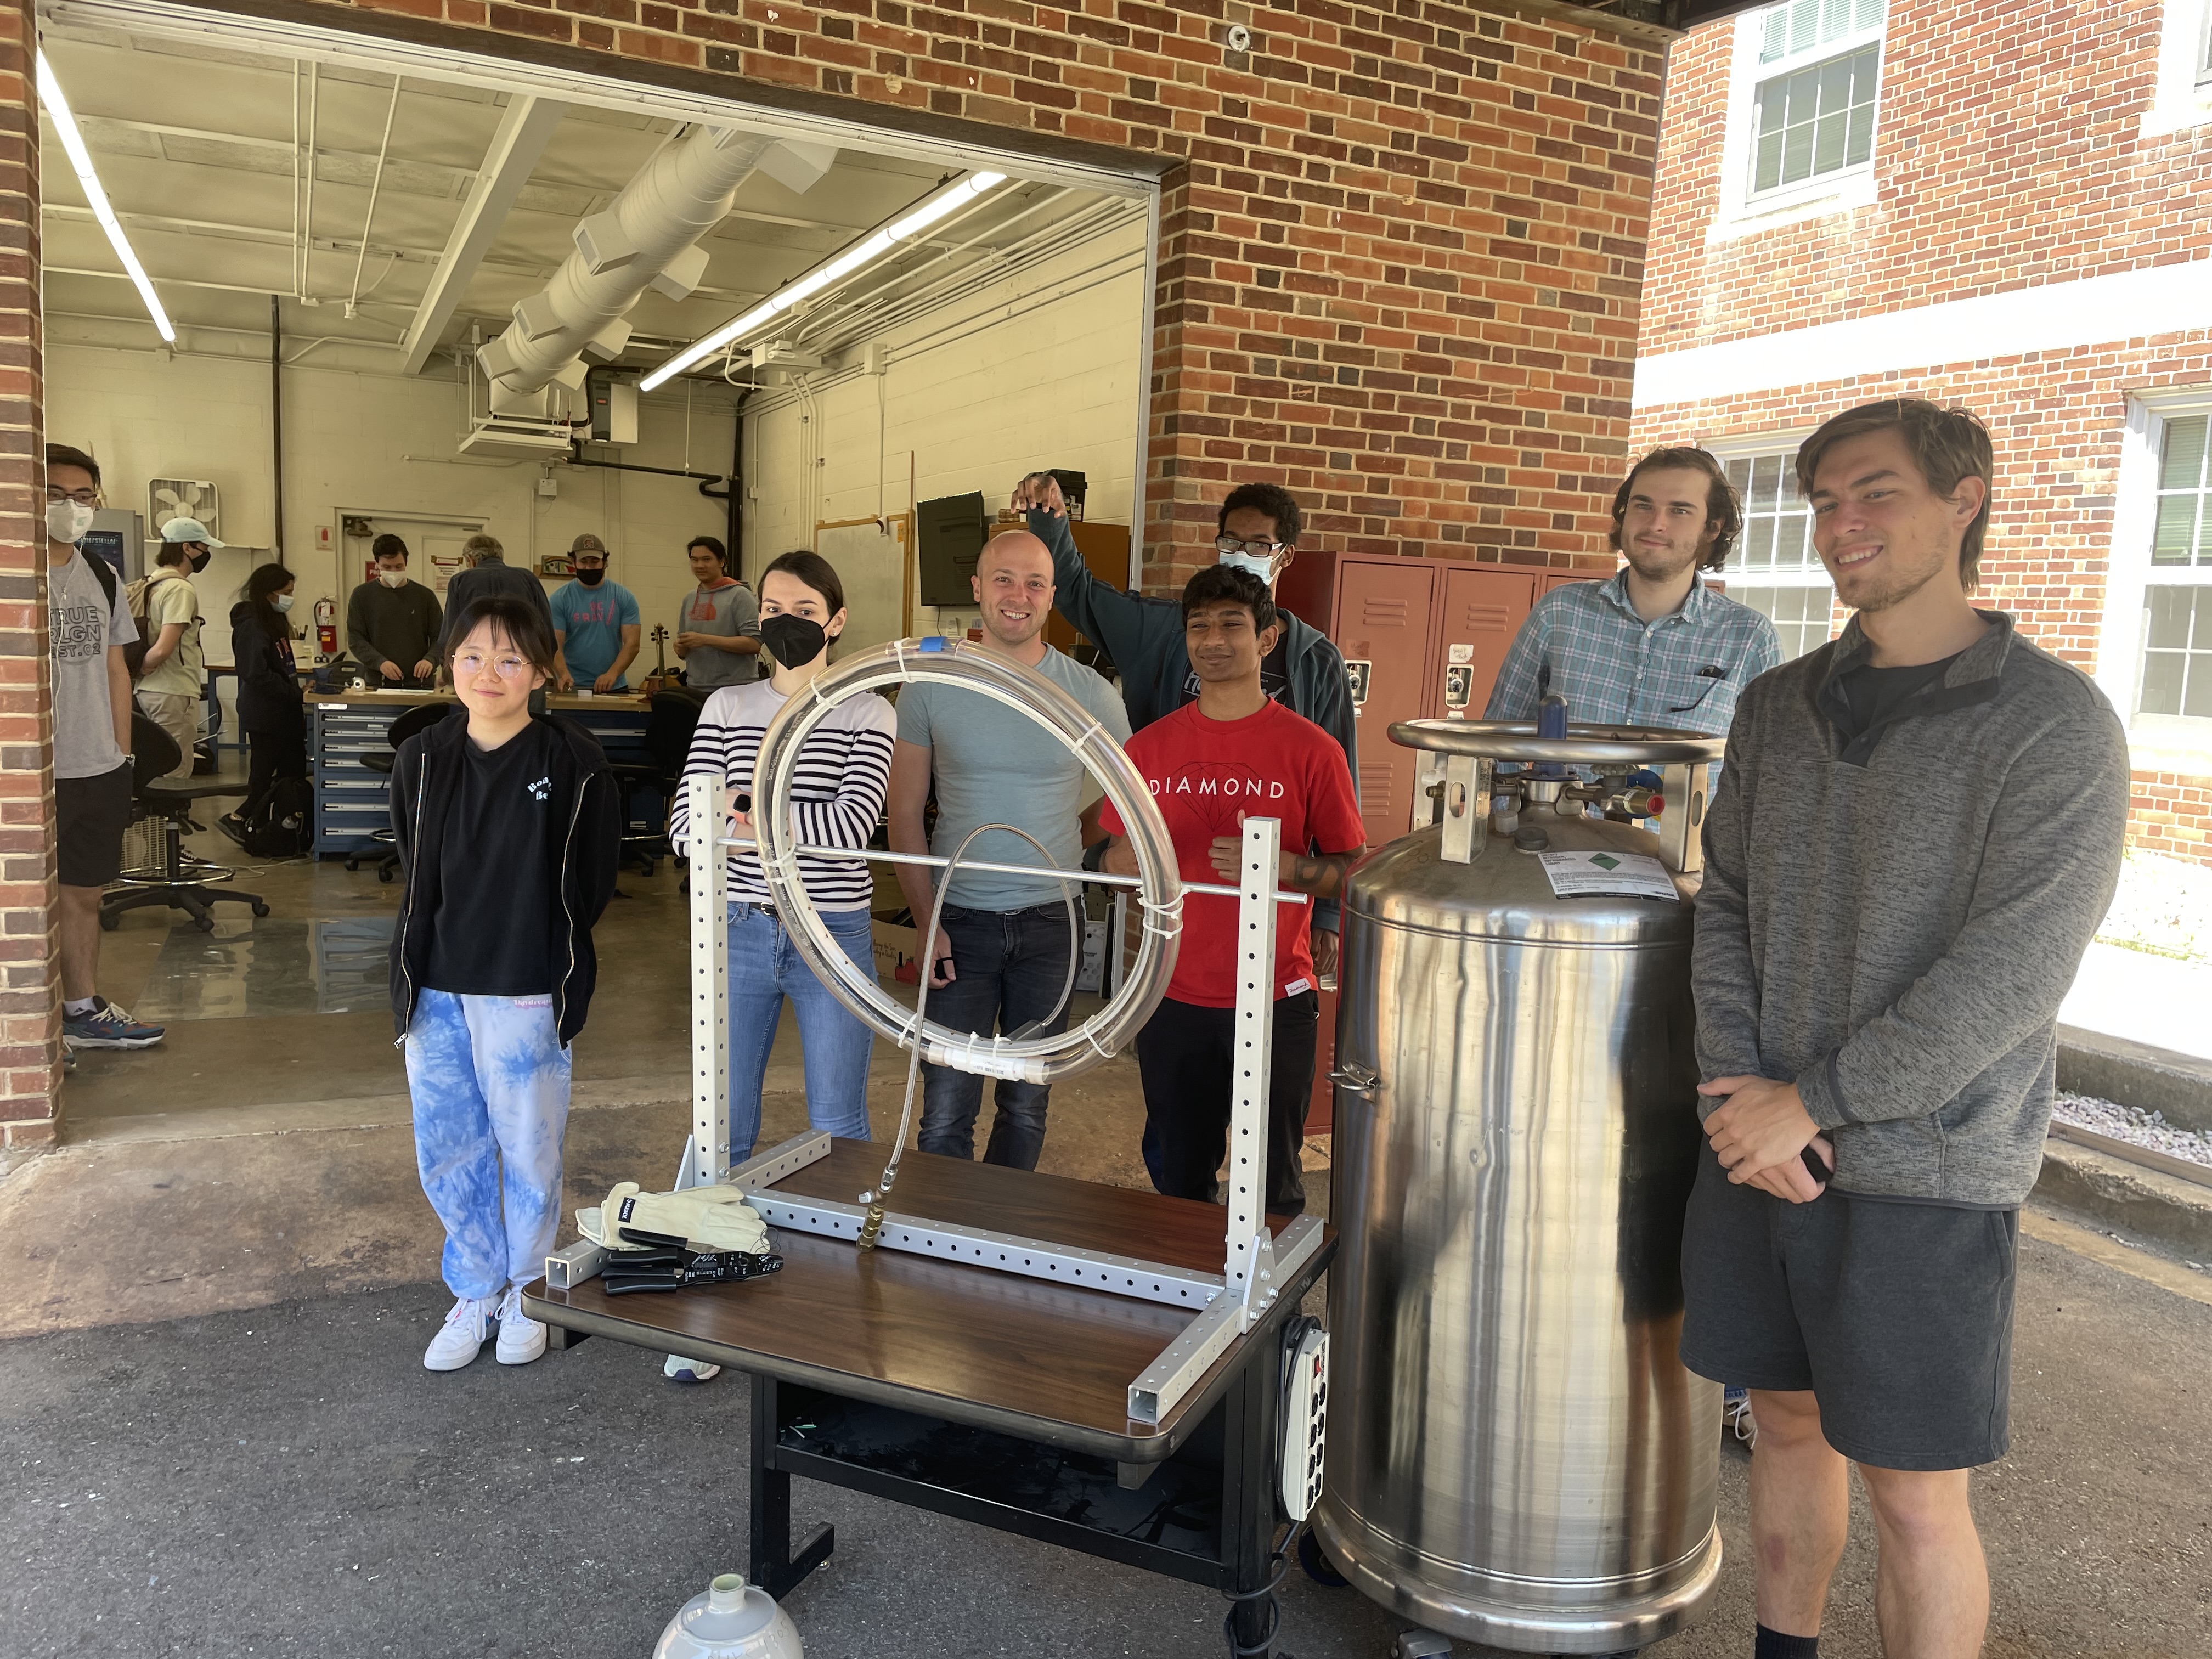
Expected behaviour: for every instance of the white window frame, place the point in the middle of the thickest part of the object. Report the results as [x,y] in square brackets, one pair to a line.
[2157,743]
[1743,446]
[1742,213]
[2184,95]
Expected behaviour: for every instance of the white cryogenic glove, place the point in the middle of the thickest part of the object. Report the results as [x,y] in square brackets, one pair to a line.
[705,1218]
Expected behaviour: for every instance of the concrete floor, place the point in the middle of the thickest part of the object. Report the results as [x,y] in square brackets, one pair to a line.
[221,1440]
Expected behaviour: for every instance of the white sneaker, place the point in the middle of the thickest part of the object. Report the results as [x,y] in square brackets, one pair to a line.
[457,1343]
[680,1370]
[521,1339]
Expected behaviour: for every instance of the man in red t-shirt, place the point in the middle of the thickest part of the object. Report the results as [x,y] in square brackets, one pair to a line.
[1234,754]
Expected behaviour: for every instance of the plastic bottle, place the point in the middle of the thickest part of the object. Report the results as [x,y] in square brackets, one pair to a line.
[733,1620]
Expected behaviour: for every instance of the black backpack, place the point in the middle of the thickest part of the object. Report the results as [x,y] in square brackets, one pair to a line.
[284,827]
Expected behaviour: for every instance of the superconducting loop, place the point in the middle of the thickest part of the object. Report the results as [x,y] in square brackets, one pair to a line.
[1044,1059]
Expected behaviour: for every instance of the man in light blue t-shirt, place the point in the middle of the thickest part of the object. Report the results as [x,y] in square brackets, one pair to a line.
[595,621]
[1003,952]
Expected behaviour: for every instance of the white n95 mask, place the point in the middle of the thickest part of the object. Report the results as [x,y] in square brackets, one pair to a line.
[1263,568]
[67,520]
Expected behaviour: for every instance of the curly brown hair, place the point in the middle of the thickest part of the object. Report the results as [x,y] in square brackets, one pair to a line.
[1722,507]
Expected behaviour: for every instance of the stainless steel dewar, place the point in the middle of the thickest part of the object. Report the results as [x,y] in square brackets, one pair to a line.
[1515,1455]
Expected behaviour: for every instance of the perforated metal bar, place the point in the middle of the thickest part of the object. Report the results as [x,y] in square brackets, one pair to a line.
[1252,1057]
[704,797]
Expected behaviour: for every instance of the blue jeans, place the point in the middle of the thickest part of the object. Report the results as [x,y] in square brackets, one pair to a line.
[489,1080]
[764,970]
[1009,967]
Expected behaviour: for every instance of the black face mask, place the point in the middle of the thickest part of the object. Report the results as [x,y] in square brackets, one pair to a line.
[592,578]
[199,560]
[795,641]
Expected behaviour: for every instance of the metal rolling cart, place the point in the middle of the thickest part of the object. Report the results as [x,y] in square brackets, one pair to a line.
[1101,1368]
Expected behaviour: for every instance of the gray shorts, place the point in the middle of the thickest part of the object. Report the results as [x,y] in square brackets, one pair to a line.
[1897,1315]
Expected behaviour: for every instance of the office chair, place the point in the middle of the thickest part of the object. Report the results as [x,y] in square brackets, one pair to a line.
[179,881]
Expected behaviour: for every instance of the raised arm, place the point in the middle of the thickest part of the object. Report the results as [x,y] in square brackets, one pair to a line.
[1125,626]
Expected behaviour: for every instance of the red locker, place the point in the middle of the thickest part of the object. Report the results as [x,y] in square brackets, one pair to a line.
[1483,609]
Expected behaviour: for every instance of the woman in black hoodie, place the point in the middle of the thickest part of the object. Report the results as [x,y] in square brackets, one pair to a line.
[270,709]
[508,829]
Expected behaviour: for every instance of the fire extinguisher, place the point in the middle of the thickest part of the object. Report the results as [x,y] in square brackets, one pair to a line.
[326,627]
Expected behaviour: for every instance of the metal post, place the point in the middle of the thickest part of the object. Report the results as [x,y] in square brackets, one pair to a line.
[1466,808]
[708,1153]
[1248,1271]
[1681,826]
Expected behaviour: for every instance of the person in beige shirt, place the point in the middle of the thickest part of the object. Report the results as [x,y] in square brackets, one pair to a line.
[172,676]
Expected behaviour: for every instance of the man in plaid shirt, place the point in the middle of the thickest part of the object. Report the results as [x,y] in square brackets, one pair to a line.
[1654,645]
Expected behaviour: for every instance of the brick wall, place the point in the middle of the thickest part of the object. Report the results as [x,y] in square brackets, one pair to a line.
[2009,152]
[1400,247]
[2170,814]
[30,1011]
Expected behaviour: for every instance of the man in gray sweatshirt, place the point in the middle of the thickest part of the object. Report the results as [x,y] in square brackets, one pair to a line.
[1916,832]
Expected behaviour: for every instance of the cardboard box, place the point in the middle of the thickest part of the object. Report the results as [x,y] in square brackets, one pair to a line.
[898,947]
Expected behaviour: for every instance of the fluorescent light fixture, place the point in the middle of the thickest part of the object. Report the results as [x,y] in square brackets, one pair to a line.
[58,110]
[852,259]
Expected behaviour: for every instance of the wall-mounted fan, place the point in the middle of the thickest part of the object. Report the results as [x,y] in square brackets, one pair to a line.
[182,498]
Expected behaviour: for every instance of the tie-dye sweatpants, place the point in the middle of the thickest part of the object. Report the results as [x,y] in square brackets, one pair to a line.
[489,1081]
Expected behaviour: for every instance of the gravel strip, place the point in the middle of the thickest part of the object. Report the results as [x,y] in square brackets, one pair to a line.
[2138,1128]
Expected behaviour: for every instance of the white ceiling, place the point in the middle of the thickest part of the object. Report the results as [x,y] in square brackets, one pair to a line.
[206,156]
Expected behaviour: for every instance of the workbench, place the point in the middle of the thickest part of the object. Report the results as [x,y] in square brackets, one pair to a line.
[352,801]
[995,1399]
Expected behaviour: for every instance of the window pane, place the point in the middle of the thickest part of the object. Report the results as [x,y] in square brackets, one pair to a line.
[2197,696]
[1766,174]
[1861,143]
[2185,454]
[2161,683]
[1800,615]
[2176,530]
[1828,143]
[2170,608]
[1796,154]
[1765,483]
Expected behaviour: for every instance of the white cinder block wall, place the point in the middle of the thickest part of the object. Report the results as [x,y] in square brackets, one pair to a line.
[361,441]
[1038,370]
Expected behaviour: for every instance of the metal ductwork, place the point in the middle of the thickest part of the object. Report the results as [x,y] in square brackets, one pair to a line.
[646,237]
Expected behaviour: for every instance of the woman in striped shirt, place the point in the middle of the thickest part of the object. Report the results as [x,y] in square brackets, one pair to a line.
[837,796]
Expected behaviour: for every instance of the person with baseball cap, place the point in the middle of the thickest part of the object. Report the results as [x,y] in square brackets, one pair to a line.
[172,677]
[596,621]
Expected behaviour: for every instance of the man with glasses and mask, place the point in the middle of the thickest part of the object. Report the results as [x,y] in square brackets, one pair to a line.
[1257,531]
[89,624]
[393,623]
[166,611]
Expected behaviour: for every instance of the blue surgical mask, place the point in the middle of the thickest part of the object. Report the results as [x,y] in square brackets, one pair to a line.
[1263,568]
[282,601]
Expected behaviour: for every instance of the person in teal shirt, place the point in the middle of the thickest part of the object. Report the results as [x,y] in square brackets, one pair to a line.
[596,621]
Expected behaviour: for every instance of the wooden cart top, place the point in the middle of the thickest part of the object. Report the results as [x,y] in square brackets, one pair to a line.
[1043,1361]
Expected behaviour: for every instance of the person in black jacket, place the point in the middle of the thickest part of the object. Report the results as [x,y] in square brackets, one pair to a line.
[508,828]
[271,711]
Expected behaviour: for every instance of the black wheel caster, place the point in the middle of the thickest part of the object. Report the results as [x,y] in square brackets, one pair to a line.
[382,877]
[107,921]
[1317,1565]
[260,910]
[205,924]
